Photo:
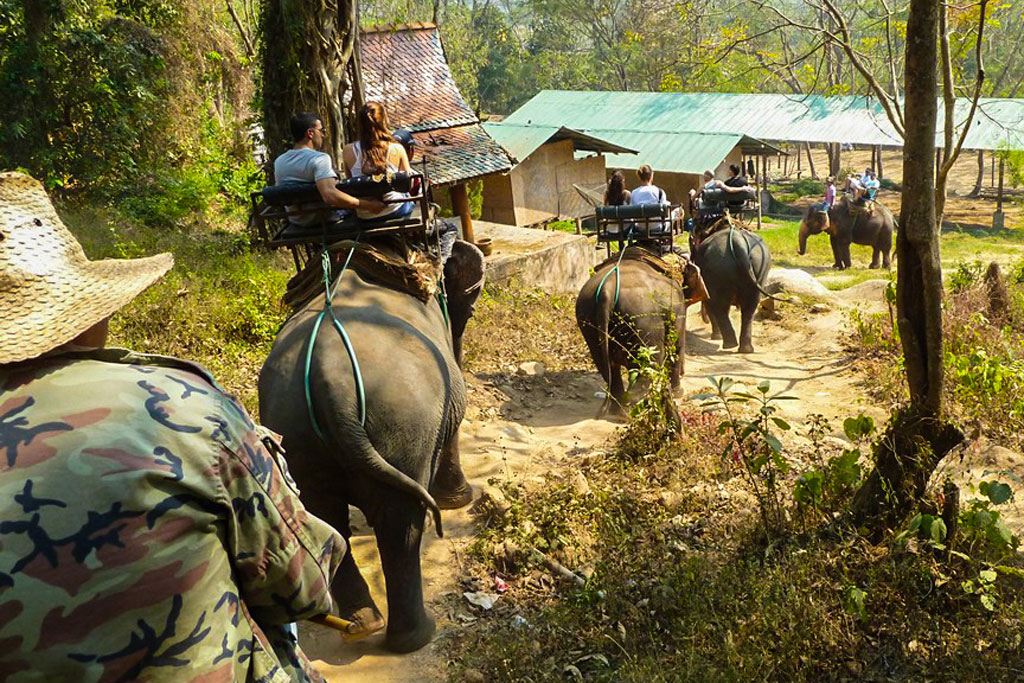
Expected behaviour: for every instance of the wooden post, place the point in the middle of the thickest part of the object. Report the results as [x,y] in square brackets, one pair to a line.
[759,201]
[579,225]
[799,162]
[460,207]
[878,168]
[999,192]
[992,174]
[810,160]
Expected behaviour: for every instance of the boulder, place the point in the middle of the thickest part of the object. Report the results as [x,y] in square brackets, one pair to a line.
[796,281]
[982,461]
[531,369]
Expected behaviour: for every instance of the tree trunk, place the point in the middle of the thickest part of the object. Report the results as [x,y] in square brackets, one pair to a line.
[810,160]
[307,50]
[980,180]
[917,437]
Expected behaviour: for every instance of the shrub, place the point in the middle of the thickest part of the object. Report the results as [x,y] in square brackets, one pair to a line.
[806,187]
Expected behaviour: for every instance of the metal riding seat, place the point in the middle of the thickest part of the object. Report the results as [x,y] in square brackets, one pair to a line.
[275,206]
[636,223]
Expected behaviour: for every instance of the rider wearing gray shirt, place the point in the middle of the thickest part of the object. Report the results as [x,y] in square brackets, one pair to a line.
[305,164]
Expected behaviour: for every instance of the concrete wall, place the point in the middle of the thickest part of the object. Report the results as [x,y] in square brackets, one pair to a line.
[541,187]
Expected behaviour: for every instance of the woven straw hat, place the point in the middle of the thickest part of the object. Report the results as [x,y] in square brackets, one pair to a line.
[49,291]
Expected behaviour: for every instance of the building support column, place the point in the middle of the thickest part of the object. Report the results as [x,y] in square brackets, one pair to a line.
[998,220]
[460,207]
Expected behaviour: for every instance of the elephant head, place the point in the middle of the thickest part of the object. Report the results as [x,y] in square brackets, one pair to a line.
[815,221]
[463,283]
[693,284]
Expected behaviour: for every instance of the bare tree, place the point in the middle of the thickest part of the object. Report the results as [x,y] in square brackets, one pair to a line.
[309,64]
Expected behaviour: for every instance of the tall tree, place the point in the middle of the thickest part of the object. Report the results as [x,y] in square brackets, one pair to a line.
[917,436]
[309,64]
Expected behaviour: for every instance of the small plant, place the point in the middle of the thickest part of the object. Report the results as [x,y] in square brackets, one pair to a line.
[753,444]
[806,187]
[836,480]
[967,275]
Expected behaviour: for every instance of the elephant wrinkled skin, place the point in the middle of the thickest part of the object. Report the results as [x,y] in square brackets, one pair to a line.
[650,311]
[415,401]
[874,230]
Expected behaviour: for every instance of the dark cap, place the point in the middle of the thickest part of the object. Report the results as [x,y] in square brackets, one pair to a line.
[404,137]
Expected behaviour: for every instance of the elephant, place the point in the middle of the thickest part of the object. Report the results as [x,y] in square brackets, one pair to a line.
[405,459]
[735,264]
[638,305]
[874,230]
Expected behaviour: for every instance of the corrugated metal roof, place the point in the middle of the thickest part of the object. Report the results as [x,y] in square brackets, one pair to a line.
[405,68]
[522,140]
[670,152]
[811,118]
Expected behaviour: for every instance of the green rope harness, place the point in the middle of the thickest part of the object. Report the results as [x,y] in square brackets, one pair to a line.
[325,259]
[614,269]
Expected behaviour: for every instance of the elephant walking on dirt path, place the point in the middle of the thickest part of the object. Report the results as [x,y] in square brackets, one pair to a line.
[633,303]
[873,229]
[404,460]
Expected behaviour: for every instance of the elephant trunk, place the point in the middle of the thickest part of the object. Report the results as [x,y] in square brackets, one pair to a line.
[805,231]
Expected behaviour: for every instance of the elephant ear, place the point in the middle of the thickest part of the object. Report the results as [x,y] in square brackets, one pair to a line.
[464,270]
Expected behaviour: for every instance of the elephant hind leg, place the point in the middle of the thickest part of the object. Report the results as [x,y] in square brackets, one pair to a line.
[399,530]
[351,595]
[876,257]
[720,314]
[450,489]
[747,311]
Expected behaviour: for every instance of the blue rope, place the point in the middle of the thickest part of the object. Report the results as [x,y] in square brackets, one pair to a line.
[325,262]
[614,269]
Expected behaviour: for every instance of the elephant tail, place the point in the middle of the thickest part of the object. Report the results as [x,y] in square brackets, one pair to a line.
[742,255]
[372,463]
[603,323]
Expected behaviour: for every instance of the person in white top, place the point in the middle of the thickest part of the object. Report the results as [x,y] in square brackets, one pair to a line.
[711,183]
[376,152]
[648,193]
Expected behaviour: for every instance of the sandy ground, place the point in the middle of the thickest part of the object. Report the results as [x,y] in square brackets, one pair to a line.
[521,427]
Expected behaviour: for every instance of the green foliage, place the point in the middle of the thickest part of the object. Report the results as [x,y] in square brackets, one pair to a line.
[808,187]
[107,95]
[752,442]
[966,276]
[827,487]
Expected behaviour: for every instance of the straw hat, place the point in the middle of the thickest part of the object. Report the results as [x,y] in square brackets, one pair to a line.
[49,291]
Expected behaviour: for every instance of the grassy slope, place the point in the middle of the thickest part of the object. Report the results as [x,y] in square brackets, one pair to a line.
[217,306]
[956,246]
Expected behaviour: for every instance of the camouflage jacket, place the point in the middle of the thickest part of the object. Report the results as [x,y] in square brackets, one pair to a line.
[146,532]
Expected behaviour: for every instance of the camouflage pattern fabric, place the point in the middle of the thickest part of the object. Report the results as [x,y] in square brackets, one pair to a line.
[146,531]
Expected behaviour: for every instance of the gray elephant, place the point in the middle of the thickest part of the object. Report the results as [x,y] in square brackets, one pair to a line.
[405,460]
[843,227]
[735,264]
[641,304]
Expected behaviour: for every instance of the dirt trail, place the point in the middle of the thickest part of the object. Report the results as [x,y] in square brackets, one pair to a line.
[521,427]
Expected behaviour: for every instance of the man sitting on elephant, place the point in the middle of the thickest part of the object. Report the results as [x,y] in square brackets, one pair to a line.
[305,163]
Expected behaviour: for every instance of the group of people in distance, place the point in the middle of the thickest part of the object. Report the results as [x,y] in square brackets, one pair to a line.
[857,188]
[378,150]
[647,192]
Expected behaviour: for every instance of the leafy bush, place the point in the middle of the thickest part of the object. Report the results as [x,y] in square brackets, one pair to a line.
[808,187]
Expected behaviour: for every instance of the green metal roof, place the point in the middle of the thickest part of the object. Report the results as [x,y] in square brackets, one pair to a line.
[670,152]
[859,120]
[522,140]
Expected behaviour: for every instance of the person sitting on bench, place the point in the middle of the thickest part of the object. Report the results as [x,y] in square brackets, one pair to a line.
[376,152]
[304,163]
[649,193]
[871,186]
[711,183]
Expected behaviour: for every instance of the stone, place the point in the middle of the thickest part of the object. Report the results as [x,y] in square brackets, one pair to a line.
[531,369]
[491,504]
[820,308]
[580,484]
[668,499]
[796,281]
[473,676]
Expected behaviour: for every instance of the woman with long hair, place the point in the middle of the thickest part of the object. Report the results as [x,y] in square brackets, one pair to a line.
[616,194]
[374,153]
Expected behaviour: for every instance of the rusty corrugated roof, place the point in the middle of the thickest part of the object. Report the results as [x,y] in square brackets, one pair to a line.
[459,154]
[405,68]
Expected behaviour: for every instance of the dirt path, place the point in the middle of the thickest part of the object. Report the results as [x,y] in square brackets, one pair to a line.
[523,426]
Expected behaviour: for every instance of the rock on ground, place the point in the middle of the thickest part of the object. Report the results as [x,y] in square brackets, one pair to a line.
[980,462]
[796,281]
